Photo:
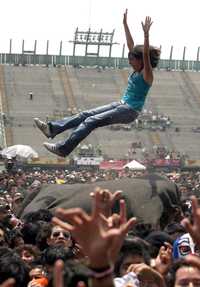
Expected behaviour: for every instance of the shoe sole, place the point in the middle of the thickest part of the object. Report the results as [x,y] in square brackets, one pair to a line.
[54,152]
[40,128]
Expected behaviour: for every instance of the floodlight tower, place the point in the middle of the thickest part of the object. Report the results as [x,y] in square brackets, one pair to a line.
[91,38]
[28,52]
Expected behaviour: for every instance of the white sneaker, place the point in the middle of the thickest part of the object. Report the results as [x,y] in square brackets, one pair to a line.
[44,127]
[52,148]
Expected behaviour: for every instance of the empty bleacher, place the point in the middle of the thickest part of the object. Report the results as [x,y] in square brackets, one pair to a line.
[57,91]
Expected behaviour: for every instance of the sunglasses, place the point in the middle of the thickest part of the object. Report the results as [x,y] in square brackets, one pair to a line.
[65,234]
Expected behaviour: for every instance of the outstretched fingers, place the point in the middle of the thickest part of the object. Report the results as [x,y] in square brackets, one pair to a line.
[128,225]
[72,215]
[103,201]
[147,24]
[62,224]
[116,196]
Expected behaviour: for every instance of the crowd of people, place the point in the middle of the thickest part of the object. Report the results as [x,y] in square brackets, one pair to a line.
[20,180]
[147,120]
[97,249]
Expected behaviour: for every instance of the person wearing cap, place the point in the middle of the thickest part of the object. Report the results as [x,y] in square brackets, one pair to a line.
[142,58]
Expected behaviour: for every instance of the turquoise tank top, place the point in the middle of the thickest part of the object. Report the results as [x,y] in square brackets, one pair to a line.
[136,91]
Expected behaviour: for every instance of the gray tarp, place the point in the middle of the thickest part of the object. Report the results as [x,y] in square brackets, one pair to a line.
[146,198]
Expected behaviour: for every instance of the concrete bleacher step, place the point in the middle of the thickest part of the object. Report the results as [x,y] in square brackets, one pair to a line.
[89,87]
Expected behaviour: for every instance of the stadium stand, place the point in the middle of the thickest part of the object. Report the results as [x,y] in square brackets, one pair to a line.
[60,91]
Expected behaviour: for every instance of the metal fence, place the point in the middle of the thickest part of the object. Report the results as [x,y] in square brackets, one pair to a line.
[76,61]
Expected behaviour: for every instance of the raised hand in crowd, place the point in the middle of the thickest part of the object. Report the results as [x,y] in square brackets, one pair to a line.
[97,241]
[107,200]
[147,275]
[115,220]
[164,259]
[194,227]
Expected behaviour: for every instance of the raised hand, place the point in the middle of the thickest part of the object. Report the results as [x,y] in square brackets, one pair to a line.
[147,275]
[106,200]
[194,228]
[164,259]
[147,25]
[99,243]
[115,220]
[125,17]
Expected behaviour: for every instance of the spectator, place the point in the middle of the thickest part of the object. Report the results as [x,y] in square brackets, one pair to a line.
[13,267]
[28,253]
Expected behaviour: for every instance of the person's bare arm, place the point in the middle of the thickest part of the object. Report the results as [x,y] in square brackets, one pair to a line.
[194,227]
[129,38]
[99,243]
[148,71]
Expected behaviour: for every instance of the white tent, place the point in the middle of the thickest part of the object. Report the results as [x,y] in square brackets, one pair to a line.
[20,151]
[134,165]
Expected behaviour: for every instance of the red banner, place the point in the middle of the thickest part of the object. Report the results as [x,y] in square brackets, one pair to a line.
[112,164]
[166,162]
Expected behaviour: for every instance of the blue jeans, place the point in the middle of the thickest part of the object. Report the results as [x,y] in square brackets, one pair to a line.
[86,121]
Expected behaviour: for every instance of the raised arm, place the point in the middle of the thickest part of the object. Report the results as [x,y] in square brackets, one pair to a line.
[129,39]
[148,72]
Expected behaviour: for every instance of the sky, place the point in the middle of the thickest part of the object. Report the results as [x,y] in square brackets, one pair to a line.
[175,22]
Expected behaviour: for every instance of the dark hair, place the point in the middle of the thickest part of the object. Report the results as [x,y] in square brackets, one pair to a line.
[13,267]
[174,227]
[5,251]
[30,231]
[131,246]
[43,234]
[13,235]
[39,215]
[33,250]
[156,239]
[137,52]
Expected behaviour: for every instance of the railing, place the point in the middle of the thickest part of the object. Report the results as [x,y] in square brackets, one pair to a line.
[77,61]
